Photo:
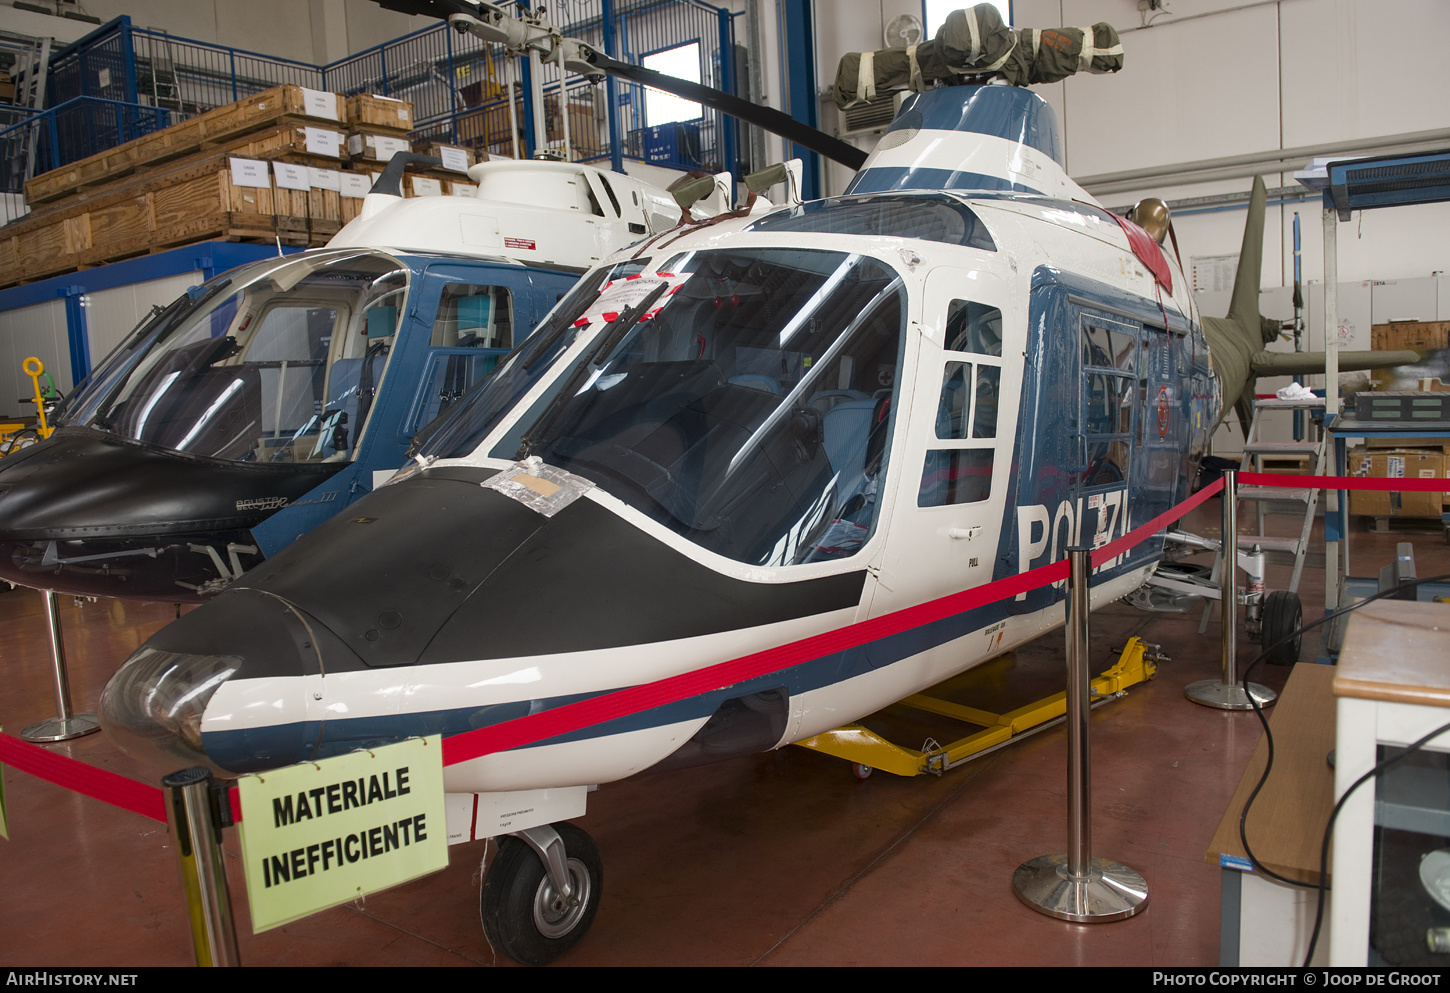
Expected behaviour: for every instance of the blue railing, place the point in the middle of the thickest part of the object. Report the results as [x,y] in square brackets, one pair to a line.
[79,127]
[459,87]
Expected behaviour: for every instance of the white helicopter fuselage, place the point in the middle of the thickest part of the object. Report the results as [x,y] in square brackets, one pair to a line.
[1038,388]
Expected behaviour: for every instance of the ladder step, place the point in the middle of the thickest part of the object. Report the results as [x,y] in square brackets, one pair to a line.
[1282,448]
[1276,404]
[1269,543]
[1275,494]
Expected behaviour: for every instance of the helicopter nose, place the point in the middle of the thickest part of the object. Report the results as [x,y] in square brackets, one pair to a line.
[229,688]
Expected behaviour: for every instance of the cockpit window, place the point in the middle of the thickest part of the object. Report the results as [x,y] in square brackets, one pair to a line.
[943,219]
[279,366]
[743,399]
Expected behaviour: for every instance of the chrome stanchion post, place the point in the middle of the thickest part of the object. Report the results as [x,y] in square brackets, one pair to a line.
[195,831]
[1226,693]
[1075,886]
[68,725]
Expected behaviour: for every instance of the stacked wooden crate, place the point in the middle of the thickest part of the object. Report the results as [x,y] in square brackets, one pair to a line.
[268,167]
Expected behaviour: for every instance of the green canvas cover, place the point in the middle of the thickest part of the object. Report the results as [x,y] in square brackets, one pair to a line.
[975,42]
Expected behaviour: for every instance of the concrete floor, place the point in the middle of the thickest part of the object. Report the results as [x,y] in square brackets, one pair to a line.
[778,859]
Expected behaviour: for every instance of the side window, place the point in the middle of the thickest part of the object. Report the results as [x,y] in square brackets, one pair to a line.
[473,329]
[960,471]
[1109,371]
[474,317]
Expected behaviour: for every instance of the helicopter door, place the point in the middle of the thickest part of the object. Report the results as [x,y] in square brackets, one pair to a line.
[946,519]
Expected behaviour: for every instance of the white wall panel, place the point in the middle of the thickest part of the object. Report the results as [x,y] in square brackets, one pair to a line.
[38,330]
[112,314]
[1357,68]
[1175,101]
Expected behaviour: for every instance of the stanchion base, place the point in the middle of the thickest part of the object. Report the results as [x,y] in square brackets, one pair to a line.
[1112,891]
[61,728]
[1228,696]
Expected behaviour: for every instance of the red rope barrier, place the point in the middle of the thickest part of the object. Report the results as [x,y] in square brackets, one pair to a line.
[1392,483]
[100,784]
[149,800]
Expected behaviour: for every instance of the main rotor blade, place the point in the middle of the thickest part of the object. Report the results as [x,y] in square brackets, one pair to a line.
[769,118]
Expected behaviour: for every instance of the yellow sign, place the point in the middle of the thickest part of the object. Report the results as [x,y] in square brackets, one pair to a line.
[323,833]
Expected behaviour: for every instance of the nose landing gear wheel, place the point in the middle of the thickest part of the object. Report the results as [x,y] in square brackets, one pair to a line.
[1283,615]
[525,915]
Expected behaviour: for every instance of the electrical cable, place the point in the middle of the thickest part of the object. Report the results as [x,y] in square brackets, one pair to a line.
[1320,886]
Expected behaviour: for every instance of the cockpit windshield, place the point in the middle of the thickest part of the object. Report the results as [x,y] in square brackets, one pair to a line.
[276,362]
[741,398]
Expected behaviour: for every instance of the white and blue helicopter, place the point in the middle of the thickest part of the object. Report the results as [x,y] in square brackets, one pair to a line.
[724,439]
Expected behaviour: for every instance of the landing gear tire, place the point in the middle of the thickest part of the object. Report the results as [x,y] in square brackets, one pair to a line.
[1283,615]
[524,915]
[861,771]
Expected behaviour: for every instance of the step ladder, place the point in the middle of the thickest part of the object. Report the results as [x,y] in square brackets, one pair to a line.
[165,87]
[1274,500]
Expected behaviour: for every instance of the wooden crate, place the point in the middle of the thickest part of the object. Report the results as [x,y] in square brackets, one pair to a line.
[369,112]
[246,115]
[1410,334]
[373,150]
[169,207]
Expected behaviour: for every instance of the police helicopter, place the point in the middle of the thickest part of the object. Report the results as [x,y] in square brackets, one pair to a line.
[725,439]
[266,400]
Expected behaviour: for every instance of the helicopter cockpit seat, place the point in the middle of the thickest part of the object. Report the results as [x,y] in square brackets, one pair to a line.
[847,428]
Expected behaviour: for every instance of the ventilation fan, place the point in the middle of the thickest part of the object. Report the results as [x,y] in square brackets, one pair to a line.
[904,30]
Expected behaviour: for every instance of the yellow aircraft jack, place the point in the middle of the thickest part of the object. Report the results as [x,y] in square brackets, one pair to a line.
[868,751]
[12,432]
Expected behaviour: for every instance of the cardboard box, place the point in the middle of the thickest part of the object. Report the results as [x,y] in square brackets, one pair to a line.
[1399,464]
[1410,334]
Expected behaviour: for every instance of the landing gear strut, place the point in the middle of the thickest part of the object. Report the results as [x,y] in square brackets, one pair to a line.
[541,893]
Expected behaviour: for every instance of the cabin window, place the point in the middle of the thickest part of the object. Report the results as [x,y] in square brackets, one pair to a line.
[276,362]
[955,477]
[1109,392]
[940,217]
[966,413]
[974,327]
[474,317]
[743,399]
[471,333]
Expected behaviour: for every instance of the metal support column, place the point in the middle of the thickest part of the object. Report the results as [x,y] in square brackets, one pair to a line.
[1075,886]
[798,44]
[1333,520]
[194,820]
[611,90]
[1226,693]
[68,725]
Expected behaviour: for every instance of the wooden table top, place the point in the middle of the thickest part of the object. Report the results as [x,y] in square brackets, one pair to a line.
[1397,651]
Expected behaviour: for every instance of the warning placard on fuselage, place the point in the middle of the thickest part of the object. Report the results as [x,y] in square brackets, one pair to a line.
[320,834]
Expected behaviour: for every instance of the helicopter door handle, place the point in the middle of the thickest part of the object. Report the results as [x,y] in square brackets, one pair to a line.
[968,533]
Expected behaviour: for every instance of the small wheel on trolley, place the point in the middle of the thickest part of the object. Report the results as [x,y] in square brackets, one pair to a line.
[861,770]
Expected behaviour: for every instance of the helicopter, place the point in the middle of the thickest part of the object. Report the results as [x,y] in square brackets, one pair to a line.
[725,439]
[269,398]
